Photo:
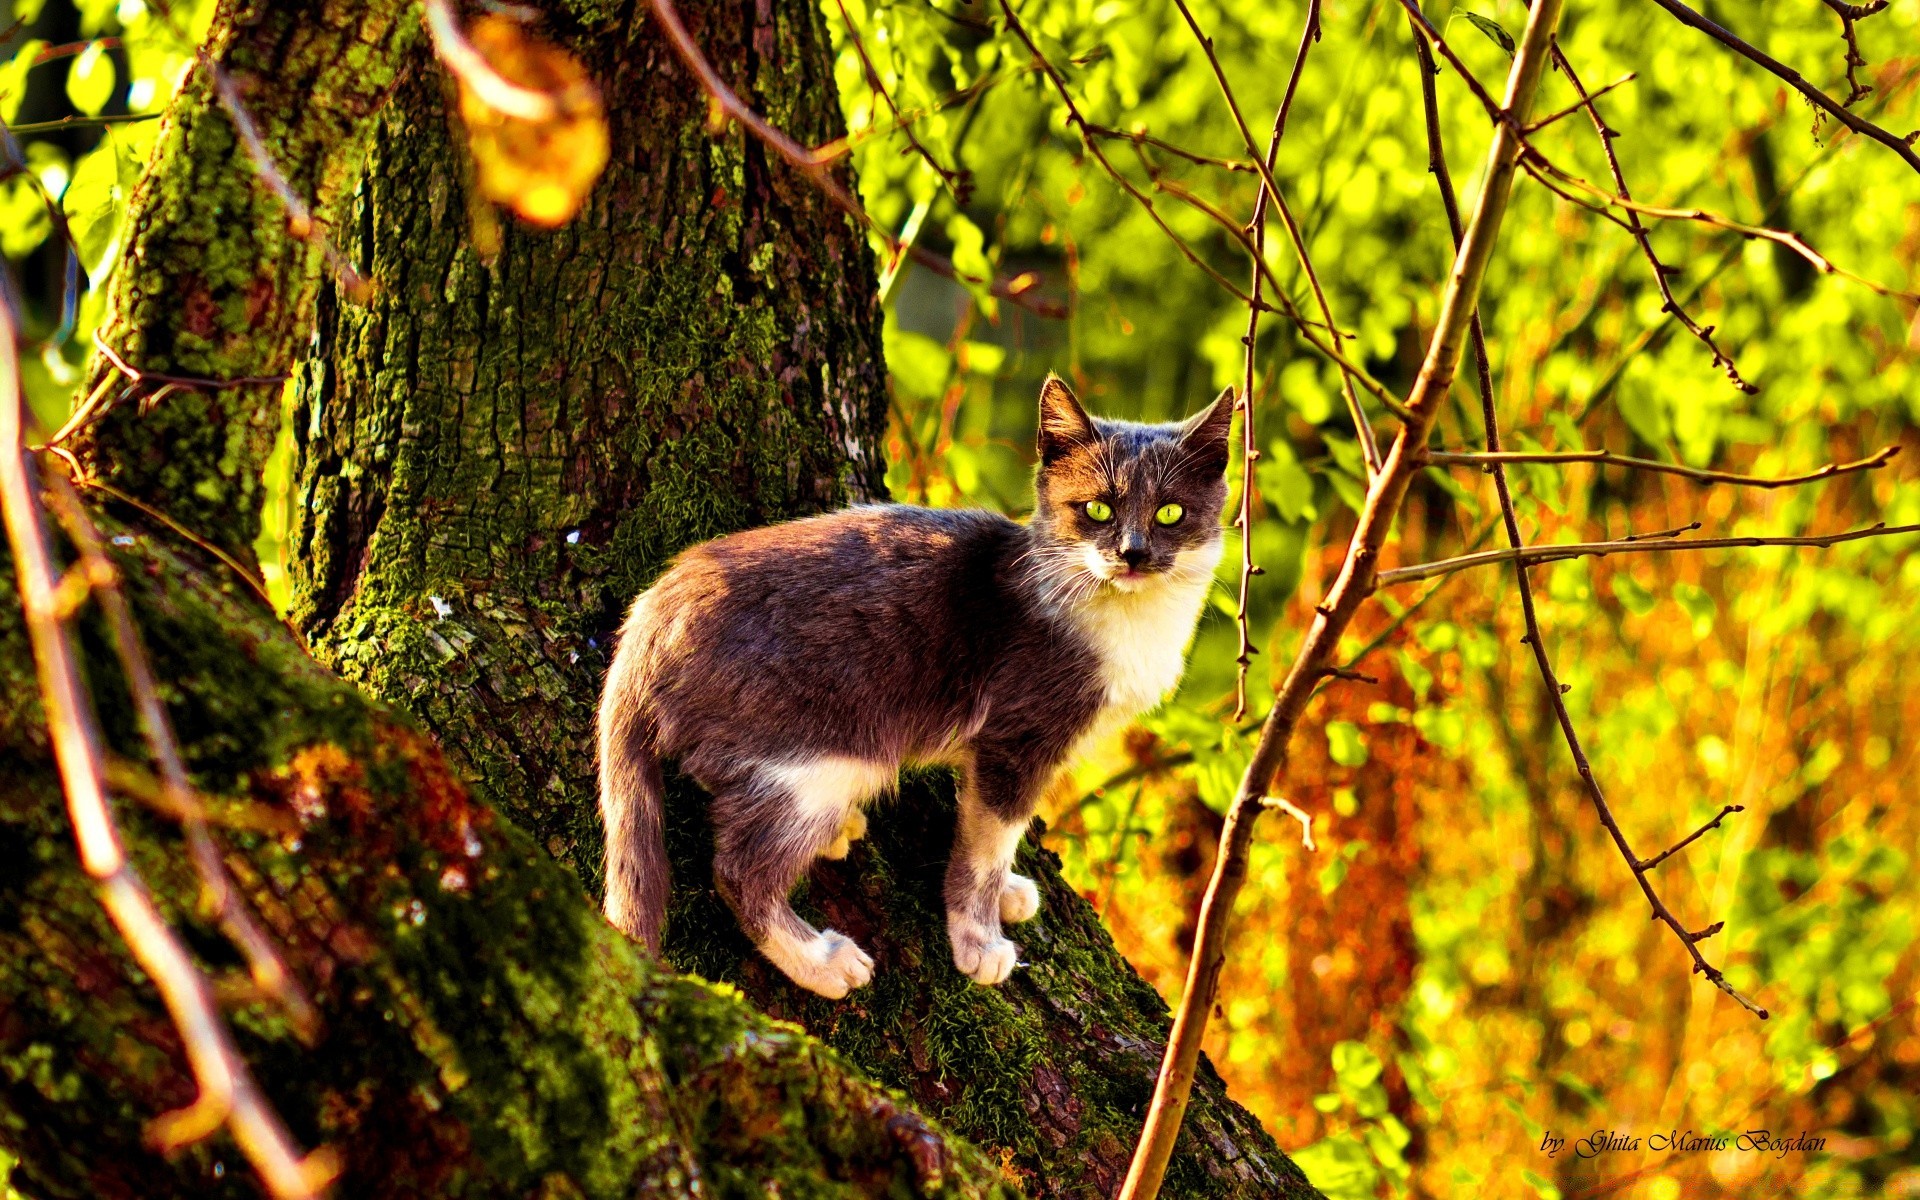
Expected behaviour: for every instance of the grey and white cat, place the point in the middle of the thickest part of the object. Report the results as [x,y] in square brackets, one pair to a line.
[792,670]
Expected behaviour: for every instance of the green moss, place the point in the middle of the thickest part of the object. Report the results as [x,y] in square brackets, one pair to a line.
[213,285]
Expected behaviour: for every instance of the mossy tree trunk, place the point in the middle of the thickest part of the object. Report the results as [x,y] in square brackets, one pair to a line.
[496,459]
[493,459]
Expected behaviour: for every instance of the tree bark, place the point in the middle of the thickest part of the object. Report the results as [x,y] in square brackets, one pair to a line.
[493,459]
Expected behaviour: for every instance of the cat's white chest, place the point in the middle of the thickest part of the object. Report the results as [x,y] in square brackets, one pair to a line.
[1140,638]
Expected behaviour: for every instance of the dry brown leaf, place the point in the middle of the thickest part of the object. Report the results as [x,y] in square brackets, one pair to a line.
[543,169]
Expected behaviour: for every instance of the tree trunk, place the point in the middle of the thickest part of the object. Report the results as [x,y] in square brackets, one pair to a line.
[494,458]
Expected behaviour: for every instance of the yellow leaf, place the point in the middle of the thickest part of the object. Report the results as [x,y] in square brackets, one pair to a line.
[544,169]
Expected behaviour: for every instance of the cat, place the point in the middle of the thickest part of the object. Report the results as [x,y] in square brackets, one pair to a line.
[793,669]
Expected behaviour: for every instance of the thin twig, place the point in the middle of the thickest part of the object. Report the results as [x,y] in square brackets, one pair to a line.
[1540,168]
[471,67]
[1354,584]
[1250,450]
[1092,145]
[1697,474]
[1369,445]
[300,220]
[1280,804]
[1140,137]
[1649,864]
[955,178]
[1848,14]
[817,167]
[1661,271]
[1556,691]
[1580,105]
[81,479]
[1903,146]
[64,123]
[264,961]
[95,405]
[228,1094]
[1534,555]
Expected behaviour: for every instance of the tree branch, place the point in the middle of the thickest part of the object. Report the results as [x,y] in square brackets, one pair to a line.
[1540,168]
[1369,446]
[1534,555]
[1556,691]
[1648,864]
[1250,451]
[1699,475]
[1640,236]
[1354,584]
[227,1092]
[264,961]
[1903,146]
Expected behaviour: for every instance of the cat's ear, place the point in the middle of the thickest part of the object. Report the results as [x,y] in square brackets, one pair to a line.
[1064,425]
[1205,434]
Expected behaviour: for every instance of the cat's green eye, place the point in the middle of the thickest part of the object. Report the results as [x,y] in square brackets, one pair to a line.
[1169,514]
[1099,511]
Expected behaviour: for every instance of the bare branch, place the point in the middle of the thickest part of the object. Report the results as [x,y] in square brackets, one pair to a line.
[300,220]
[95,405]
[269,969]
[1488,460]
[1540,168]
[1355,583]
[1848,14]
[1660,270]
[1648,864]
[1556,691]
[1903,146]
[1280,804]
[817,166]
[81,479]
[1369,445]
[227,1092]
[1250,449]
[471,67]
[1584,104]
[1140,137]
[1535,555]
[956,178]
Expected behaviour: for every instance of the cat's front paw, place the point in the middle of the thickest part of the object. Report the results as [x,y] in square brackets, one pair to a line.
[982,954]
[1019,899]
[832,966]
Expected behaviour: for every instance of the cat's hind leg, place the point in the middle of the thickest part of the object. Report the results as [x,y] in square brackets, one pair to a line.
[766,834]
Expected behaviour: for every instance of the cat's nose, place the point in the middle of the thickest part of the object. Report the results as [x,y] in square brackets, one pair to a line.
[1133,553]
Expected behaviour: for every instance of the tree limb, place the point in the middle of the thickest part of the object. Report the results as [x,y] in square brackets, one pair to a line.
[1354,584]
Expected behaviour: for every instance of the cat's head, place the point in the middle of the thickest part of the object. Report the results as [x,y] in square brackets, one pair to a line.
[1126,507]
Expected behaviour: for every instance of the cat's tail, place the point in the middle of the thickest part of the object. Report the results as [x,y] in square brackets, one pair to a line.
[631,798]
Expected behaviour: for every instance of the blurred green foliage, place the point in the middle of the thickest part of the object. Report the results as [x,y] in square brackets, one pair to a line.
[1535,995]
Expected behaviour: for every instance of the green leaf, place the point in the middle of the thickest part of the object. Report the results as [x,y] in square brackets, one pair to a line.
[1285,483]
[920,365]
[1492,29]
[1632,597]
[24,222]
[1346,745]
[92,203]
[1698,604]
[1355,1064]
[13,77]
[90,79]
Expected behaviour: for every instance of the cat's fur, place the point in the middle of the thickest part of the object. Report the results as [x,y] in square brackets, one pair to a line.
[792,670]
